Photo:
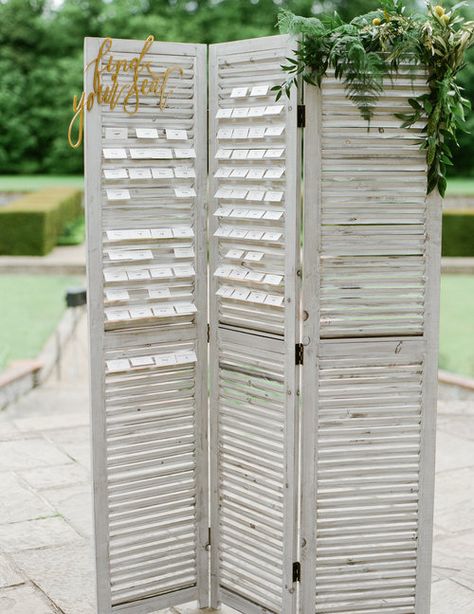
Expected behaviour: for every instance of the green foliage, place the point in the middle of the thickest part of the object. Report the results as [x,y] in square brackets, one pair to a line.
[73,233]
[367,50]
[458,233]
[32,224]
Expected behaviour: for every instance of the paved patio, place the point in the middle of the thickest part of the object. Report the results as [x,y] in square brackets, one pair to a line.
[45,506]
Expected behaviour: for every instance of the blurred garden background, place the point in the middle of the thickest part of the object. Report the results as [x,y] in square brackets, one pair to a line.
[41,45]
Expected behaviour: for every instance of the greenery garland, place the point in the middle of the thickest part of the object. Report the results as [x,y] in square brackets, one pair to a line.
[371,47]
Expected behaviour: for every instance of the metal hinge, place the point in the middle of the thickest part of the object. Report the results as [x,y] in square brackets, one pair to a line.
[297,572]
[301,114]
[208,332]
[299,353]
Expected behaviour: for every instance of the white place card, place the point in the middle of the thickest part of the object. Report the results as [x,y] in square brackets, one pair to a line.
[240,213]
[255,214]
[240,133]
[223,271]
[257,297]
[146,133]
[223,193]
[256,133]
[272,236]
[240,112]
[184,153]
[223,231]
[151,154]
[115,173]
[165,360]
[138,275]
[184,271]
[164,311]
[139,173]
[117,315]
[117,194]
[111,275]
[141,254]
[274,109]
[257,111]
[239,194]
[256,154]
[117,235]
[275,130]
[237,233]
[182,232]
[225,133]
[239,173]
[114,154]
[118,365]
[158,293]
[274,153]
[255,195]
[185,357]
[254,276]
[255,173]
[274,173]
[234,254]
[240,294]
[160,273]
[116,255]
[238,274]
[240,154]
[274,300]
[223,154]
[225,291]
[185,308]
[224,113]
[254,256]
[273,280]
[176,135]
[239,92]
[183,252]
[223,172]
[184,172]
[255,235]
[117,294]
[162,173]
[138,313]
[161,233]
[259,90]
[142,361]
[184,192]
[223,212]
[116,134]
[273,215]
[273,196]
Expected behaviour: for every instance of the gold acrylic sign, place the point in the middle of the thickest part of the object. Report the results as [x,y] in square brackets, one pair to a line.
[128,94]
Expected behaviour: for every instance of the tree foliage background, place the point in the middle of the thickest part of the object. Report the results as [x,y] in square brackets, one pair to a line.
[41,60]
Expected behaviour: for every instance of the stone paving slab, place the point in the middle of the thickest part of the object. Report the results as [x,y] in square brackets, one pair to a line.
[46,551]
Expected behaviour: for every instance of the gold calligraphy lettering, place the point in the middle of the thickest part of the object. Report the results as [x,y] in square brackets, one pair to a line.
[107,89]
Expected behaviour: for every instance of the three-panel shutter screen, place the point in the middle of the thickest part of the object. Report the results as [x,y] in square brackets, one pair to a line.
[263,317]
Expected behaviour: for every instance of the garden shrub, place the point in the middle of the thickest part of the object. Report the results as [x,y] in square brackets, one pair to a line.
[32,224]
[458,232]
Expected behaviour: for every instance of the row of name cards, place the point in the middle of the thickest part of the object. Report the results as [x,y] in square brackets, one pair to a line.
[121,365]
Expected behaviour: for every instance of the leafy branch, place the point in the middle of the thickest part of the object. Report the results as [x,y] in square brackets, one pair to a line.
[364,52]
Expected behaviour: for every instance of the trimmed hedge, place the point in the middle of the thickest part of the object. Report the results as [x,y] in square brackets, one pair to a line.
[458,233]
[31,225]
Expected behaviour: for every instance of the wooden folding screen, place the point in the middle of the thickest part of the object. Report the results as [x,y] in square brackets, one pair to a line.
[298,477]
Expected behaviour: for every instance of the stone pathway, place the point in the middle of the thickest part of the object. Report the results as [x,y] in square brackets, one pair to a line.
[45,508]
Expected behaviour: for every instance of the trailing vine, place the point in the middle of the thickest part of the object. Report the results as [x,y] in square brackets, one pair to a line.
[364,52]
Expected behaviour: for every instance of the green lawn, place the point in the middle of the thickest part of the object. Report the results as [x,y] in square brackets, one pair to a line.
[30,308]
[28,183]
[457,324]
[461,187]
